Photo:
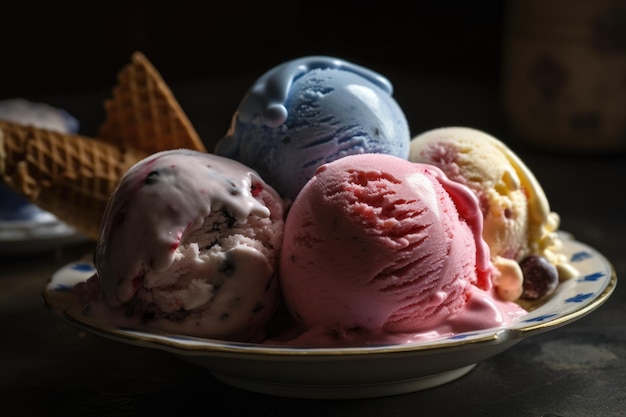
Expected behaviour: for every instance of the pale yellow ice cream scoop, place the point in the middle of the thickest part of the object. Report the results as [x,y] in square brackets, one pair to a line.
[518,221]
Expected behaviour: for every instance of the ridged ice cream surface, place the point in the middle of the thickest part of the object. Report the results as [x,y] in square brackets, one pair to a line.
[310,111]
[518,221]
[472,158]
[190,244]
[377,248]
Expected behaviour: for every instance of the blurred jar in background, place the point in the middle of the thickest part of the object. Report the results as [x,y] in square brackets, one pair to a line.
[564,73]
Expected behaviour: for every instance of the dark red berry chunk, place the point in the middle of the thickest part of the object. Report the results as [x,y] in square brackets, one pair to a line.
[256,189]
[540,277]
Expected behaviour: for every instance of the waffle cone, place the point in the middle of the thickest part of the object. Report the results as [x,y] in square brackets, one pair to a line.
[71,176]
[144,113]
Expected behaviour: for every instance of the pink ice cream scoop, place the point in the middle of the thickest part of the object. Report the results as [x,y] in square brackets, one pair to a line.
[189,244]
[375,244]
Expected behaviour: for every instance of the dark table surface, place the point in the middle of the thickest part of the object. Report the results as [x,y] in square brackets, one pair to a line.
[50,367]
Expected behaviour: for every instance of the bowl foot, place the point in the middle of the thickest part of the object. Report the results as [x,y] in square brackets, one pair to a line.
[337,391]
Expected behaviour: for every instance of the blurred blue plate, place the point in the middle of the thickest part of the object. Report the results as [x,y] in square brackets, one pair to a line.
[42,233]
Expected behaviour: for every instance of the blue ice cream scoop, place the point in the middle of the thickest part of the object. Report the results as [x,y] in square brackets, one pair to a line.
[310,111]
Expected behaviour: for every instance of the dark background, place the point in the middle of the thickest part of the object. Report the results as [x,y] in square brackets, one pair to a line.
[64,47]
[445,60]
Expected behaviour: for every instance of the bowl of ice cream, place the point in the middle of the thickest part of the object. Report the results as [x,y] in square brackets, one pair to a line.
[363,270]
[349,372]
[380,262]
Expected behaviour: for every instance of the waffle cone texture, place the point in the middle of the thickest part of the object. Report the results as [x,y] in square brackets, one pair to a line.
[71,176]
[144,112]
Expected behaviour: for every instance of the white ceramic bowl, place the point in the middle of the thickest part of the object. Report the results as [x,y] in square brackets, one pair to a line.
[360,372]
